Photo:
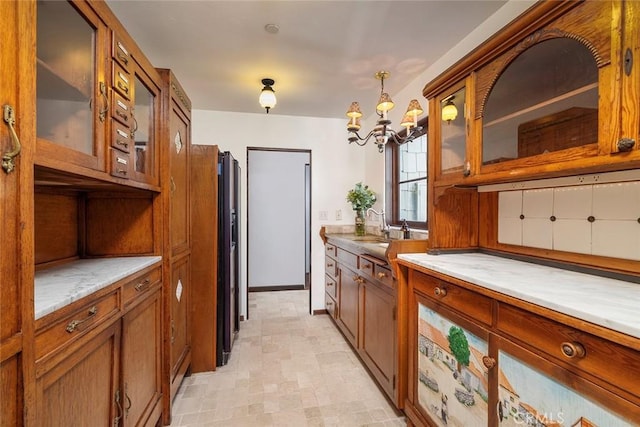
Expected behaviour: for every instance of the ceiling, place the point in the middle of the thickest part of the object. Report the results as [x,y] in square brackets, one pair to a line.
[323,57]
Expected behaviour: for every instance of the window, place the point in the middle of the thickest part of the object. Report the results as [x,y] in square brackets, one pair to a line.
[406,172]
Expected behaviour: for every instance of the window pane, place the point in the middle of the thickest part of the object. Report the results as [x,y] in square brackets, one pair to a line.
[413,201]
[413,159]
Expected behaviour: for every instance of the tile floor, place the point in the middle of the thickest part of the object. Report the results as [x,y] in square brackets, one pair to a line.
[287,369]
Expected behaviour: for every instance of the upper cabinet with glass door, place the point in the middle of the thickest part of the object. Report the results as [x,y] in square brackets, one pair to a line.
[71,92]
[553,93]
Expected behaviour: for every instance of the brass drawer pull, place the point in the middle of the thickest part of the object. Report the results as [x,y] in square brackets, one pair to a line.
[330,264]
[123,87]
[440,292]
[573,350]
[7,158]
[382,275]
[74,324]
[121,171]
[123,144]
[367,266]
[122,115]
[142,285]
[330,284]
[123,58]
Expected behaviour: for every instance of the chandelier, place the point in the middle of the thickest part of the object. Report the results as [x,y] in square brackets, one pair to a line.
[382,133]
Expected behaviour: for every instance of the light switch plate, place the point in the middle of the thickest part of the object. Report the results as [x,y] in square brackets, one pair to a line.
[339,215]
[324,215]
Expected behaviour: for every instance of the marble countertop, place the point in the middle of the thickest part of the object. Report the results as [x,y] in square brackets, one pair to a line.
[614,304]
[59,286]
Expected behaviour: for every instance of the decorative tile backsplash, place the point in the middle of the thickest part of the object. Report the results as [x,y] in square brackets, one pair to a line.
[597,219]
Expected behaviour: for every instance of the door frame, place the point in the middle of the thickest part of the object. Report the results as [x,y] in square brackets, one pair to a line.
[308,207]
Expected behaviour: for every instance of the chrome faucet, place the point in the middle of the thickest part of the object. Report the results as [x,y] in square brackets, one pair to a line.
[384,227]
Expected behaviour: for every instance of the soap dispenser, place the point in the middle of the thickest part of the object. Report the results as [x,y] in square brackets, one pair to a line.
[405,230]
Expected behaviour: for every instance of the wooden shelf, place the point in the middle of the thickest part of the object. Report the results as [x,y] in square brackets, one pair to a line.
[53,85]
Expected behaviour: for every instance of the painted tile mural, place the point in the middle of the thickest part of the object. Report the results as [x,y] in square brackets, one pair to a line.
[452,381]
[529,398]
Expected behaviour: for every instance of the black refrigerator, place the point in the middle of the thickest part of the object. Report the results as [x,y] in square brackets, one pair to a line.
[228,255]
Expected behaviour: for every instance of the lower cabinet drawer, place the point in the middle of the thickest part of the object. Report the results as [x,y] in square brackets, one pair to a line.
[605,359]
[463,300]
[330,305]
[75,324]
[383,274]
[139,285]
[330,267]
[331,286]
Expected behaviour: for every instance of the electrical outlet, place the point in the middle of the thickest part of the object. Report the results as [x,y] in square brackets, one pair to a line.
[324,215]
[339,215]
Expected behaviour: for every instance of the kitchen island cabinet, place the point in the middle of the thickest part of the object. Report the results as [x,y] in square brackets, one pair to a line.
[524,327]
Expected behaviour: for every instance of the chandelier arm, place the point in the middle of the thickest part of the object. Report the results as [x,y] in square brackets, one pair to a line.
[358,139]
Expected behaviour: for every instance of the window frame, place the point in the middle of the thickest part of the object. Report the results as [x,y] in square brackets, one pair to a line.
[392,181]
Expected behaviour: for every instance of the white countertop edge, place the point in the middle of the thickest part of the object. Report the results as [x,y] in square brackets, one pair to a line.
[609,302]
[59,286]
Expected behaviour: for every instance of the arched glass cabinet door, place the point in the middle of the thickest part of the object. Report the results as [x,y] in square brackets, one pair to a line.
[545,100]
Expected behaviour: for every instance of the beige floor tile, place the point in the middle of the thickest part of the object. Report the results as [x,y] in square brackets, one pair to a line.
[287,368]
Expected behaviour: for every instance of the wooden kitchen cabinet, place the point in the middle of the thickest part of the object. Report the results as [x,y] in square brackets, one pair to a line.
[174,135]
[180,338]
[553,93]
[349,303]
[331,278]
[477,357]
[83,387]
[17,81]
[141,351]
[378,341]
[360,296]
[103,353]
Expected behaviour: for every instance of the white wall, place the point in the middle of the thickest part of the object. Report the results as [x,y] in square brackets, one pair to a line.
[335,165]
[335,168]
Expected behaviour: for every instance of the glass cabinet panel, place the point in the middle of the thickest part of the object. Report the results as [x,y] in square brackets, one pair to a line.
[143,132]
[65,76]
[453,132]
[545,100]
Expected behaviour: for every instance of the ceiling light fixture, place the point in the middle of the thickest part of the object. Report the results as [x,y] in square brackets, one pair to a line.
[381,132]
[267,96]
[449,110]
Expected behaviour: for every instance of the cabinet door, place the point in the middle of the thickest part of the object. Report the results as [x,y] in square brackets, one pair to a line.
[16,196]
[449,134]
[180,337]
[146,106]
[83,388]
[378,334]
[534,391]
[141,349]
[449,381]
[71,90]
[348,302]
[630,79]
[179,182]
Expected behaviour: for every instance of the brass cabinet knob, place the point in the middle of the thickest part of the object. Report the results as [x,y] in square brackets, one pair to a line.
[489,362]
[440,292]
[573,350]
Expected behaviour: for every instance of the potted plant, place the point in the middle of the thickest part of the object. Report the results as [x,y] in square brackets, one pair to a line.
[361,199]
